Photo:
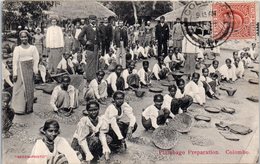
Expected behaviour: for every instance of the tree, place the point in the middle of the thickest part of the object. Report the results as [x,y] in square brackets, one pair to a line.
[19,12]
[137,9]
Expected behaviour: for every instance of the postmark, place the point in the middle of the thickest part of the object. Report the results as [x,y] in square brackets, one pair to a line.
[201,17]
[244,14]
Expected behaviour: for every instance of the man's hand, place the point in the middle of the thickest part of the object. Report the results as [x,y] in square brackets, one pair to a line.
[89,156]
[129,133]
[14,78]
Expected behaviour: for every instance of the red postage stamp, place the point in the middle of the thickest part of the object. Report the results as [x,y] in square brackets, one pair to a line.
[243,19]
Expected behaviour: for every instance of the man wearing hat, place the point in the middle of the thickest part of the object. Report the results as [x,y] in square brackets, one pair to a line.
[38,40]
[64,97]
[90,44]
[154,115]
[54,44]
[162,36]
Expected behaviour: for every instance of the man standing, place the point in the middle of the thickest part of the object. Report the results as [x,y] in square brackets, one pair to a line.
[106,33]
[177,34]
[162,36]
[54,44]
[148,33]
[91,45]
[121,42]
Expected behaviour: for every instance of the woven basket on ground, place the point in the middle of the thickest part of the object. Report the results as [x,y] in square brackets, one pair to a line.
[181,123]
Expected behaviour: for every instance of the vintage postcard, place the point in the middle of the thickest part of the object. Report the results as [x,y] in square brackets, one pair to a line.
[100,81]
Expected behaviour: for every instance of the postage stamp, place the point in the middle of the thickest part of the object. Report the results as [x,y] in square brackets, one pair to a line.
[244,15]
[207,24]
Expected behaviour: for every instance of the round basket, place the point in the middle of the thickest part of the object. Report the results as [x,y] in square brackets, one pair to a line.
[156,90]
[165,138]
[166,83]
[228,110]
[253,98]
[58,77]
[239,129]
[212,109]
[181,123]
[253,81]
[203,118]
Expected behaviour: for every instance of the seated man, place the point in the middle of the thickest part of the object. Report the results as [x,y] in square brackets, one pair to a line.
[247,60]
[208,84]
[130,76]
[154,115]
[86,137]
[168,60]
[106,60]
[213,67]
[65,65]
[64,97]
[239,65]
[160,71]
[178,59]
[115,81]
[194,88]
[79,62]
[140,52]
[97,88]
[228,71]
[113,125]
[145,75]
[176,99]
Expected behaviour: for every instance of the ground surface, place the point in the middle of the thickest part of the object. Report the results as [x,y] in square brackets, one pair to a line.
[26,128]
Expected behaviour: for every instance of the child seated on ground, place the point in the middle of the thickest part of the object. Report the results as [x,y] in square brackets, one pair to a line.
[115,81]
[228,71]
[130,76]
[239,65]
[78,62]
[66,65]
[160,71]
[178,59]
[145,75]
[176,101]
[52,147]
[86,138]
[247,60]
[7,114]
[140,51]
[97,88]
[107,60]
[208,84]
[194,88]
[154,115]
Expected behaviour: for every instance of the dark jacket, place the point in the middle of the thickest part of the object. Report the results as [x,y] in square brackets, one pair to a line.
[162,32]
[120,35]
[91,36]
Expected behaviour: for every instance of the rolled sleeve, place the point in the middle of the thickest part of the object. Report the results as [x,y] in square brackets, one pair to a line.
[129,113]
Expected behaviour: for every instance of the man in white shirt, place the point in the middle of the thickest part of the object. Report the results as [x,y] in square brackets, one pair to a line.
[228,71]
[106,60]
[130,76]
[66,65]
[154,115]
[115,81]
[97,88]
[54,44]
[239,65]
[208,84]
[194,88]
[253,52]
[160,71]
[213,67]
[145,75]
[113,125]
[64,97]
[176,99]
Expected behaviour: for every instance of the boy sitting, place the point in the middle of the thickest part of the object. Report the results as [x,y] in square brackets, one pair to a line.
[65,65]
[228,71]
[208,84]
[86,138]
[145,75]
[154,115]
[130,76]
[160,71]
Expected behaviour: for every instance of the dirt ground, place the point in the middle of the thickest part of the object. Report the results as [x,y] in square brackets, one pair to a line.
[26,128]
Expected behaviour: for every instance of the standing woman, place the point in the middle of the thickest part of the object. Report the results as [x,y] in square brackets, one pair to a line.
[25,67]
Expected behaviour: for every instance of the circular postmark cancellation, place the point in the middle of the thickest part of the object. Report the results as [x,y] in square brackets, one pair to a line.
[207,24]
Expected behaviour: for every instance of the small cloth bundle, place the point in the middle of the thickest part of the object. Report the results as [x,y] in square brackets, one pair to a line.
[181,123]
[165,137]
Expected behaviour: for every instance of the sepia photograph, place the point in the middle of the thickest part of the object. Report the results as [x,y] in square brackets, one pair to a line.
[130,82]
